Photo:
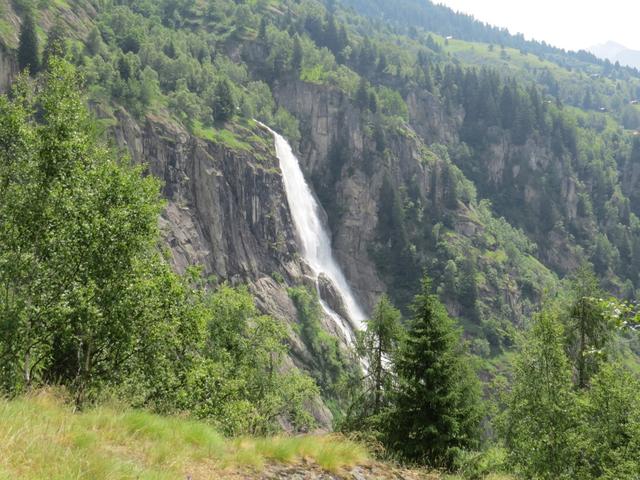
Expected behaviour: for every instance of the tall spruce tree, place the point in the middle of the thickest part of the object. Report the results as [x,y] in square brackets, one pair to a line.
[56,43]
[223,103]
[377,345]
[28,56]
[588,330]
[362,94]
[437,404]
[298,54]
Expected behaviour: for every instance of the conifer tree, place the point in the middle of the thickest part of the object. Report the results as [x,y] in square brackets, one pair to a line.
[437,405]
[382,64]
[377,345]
[94,43]
[298,54]
[332,36]
[587,331]
[56,45]
[223,103]
[468,290]
[373,102]
[28,47]
[262,30]
[362,95]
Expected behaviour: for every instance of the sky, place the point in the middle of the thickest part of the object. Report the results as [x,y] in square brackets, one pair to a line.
[569,24]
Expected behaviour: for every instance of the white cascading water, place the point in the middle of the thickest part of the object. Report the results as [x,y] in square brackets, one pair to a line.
[316,246]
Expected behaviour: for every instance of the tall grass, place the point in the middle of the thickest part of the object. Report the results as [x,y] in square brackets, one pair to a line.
[42,438]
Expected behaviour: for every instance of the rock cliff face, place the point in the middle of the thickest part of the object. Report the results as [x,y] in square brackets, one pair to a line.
[8,67]
[226,211]
[520,173]
[429,119]
[329,119]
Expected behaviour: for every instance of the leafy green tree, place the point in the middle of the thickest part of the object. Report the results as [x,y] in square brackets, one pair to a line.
[28,54]
[609,432]
[89,302]
[239,383]
[540,422]
[149,86]
[185,103]
[79,234]
[224,106]
[437,406]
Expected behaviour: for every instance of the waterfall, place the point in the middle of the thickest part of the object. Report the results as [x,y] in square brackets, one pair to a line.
[316,245]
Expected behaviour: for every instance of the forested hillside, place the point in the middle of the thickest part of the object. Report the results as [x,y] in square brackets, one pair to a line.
[481,191]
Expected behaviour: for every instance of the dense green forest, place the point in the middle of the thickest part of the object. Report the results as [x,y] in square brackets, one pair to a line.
[510,350]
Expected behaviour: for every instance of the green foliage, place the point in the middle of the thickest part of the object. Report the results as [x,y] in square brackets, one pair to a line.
[436,410]
[609,429]
[238,385]
[333,370]
[297,55]
[93,306]
[588,328]
[541,415]
[392,103]
[89,303]
[94,43]
[393,252]
[377,346]
[78,238]
[554,428]
[224,107]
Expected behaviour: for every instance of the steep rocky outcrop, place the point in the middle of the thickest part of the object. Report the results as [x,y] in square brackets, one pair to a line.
[8,67]
[328,119]
[430,120]
[543,193]
[326,116]
[227,211]
[330,294]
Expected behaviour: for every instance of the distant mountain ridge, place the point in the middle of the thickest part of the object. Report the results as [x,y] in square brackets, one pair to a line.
[616,52]
[443,20]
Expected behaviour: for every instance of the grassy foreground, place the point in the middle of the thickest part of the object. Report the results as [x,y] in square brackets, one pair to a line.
[42,438]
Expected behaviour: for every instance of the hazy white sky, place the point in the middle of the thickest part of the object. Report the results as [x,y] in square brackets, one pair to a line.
[571,24]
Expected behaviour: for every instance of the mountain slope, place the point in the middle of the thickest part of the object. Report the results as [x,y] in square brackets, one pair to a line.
[497,171]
